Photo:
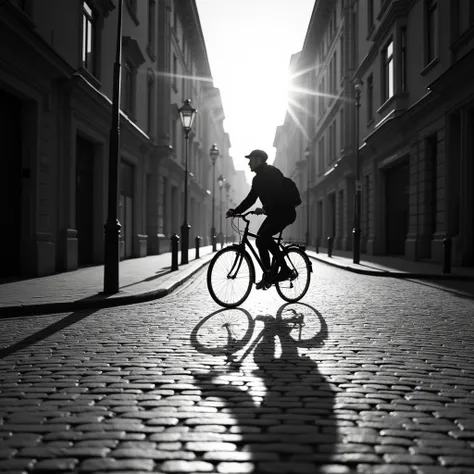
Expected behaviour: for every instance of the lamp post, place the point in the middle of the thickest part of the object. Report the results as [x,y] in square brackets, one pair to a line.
[227,189]
[187,113]
[112,226]
[358,185]
[214,152]
[220,182]
[307,154]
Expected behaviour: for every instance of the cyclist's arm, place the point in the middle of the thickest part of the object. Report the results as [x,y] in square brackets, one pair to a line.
[247,202]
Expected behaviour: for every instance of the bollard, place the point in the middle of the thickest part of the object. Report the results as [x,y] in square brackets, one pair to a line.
[330,240]
[447,244]
[174,252]
[317,244]
[197,242]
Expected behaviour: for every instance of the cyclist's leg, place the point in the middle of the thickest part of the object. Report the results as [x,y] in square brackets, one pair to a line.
[280,222]
[271,225]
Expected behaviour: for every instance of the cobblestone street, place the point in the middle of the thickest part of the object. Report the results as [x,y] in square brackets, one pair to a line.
[377,378]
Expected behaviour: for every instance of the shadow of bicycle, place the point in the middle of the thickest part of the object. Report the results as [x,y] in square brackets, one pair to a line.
[273,405]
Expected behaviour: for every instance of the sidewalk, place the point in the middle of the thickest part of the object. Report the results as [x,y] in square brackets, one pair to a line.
[140,279]
[395,267]
[148,278]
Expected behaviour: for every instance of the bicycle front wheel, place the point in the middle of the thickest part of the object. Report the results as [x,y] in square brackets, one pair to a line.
[296,287]
[230,277]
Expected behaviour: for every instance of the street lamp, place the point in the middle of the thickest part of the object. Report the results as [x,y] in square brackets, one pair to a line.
[227,189]
[220,182]
[307,154]
[112,226]
[187,113]
[214,152]
[358,185]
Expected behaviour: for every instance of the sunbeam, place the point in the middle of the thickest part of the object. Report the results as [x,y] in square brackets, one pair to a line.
[298,123]
[303,72]
[315,93]
[177,76]
[296,104]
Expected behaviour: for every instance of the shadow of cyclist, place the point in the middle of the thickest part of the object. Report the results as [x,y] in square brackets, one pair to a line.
[277,408]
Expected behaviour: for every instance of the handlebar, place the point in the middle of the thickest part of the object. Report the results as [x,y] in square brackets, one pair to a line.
[244,215]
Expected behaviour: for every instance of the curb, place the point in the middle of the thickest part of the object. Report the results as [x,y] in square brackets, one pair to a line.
[99,303]
[396,274]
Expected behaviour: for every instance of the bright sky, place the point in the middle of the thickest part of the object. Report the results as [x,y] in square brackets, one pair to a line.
[249,44]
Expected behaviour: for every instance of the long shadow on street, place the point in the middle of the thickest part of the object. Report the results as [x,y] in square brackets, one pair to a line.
[280,404]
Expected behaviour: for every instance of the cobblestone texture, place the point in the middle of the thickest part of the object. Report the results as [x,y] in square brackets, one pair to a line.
[380,380]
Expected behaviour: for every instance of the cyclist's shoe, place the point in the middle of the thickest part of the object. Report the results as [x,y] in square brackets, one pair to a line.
[284,274]
[264,283]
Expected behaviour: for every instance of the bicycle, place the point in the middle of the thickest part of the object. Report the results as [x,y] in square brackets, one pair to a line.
[231,272]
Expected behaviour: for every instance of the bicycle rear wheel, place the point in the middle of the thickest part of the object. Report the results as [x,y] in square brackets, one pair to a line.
[296,287]
[230,277]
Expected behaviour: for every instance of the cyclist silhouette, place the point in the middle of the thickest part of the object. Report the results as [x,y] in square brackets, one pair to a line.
[280,214]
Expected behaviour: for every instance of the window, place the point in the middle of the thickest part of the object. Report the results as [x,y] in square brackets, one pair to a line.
[323,96]
[370,16]
[388,72]
[128,88]
[367,205]
[332,143]
[431,144]
[175,72]
[162,184]
[321,156]
[431,30]
[342,56]
[341,128]
[462,17]
[370,98]
[150,103]
[355,43]
[174,140]
[88,38]
[151,25]
[334,74]
[403,59]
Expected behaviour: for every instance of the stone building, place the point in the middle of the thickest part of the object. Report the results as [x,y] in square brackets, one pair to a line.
[56,76]
[414,62]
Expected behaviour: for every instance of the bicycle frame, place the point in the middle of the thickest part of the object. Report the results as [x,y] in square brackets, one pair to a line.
[245,242]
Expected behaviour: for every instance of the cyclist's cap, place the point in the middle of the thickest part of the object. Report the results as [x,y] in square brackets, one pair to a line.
[259,154]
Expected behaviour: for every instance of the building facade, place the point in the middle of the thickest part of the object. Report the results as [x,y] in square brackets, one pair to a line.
[405,132]
[56,84]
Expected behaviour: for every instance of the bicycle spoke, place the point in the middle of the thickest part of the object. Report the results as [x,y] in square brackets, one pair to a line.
[230,277]
[295,288]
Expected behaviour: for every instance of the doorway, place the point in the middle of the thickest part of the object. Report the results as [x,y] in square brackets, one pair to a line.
[85,200]
[10,184]
[397,180]
[126,206]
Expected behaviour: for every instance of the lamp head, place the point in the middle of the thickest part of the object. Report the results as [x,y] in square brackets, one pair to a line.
[220,180]
[187,113]
[307,152]
[358,84]
[214,152]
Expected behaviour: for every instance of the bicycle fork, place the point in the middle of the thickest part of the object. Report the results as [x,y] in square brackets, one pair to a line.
[235,266]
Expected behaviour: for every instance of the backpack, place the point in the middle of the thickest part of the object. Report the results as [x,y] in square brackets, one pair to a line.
[290,192]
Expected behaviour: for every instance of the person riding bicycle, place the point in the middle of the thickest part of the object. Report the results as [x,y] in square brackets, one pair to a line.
[280,214]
